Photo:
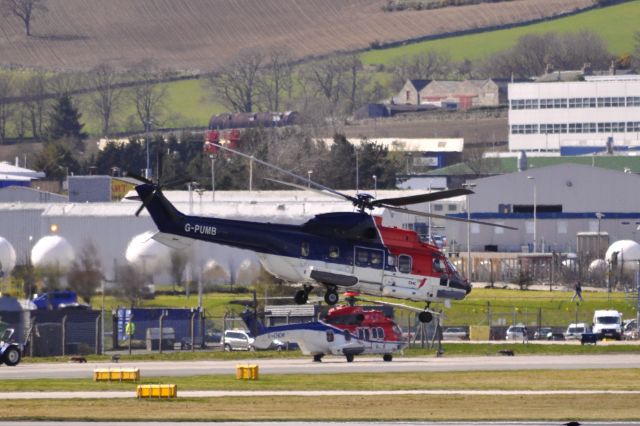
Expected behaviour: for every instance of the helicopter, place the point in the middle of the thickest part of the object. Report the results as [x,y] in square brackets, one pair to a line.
[347,330]
[350,251]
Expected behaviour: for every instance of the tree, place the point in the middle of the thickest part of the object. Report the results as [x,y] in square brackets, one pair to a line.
[148,94]
[85,274]
[237,83]
[64,122]
[106,100]
[275,79]
[57,159]
[178,260]
[6,108]
[24,9]
[428,65]
[33,91]
[130,284]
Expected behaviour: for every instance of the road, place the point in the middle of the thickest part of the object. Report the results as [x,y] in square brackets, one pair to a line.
[329,365]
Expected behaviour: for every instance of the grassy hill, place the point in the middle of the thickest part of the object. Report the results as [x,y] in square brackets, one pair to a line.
[615,24]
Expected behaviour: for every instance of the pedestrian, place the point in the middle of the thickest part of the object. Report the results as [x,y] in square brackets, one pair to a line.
[578,292]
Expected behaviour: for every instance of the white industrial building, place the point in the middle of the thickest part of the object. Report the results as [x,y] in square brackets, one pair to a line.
[575,117]
[567,199]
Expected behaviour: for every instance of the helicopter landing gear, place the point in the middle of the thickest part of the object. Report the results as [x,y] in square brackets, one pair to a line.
[317,358]
[350,357]
[387,357]
[331,296]
[302,296]
[425,316]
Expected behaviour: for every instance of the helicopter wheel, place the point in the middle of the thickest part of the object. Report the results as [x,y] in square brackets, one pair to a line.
[387,357]
[301,297]
[425,316]
[317,358]
[331,297]
[350,357]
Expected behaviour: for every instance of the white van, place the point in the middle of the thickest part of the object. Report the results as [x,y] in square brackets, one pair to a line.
[607,323]
[575,331]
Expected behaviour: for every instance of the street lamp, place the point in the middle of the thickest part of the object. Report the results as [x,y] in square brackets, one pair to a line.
[375,185]
[535,215]
[469,186]
[599,216]
[309,173]
[147,126]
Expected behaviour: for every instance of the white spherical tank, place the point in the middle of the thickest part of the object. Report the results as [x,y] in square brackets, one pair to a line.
[7,257]
[147,254]
[598,265]
[248,272]
[215,273]
[52,250]
[627,252]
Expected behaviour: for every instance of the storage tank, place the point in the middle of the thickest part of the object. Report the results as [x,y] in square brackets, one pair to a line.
[147,254]
[7,257]
[625,251]
[52,250]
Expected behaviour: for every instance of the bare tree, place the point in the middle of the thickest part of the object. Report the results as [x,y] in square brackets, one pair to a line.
[85,274]
[429,65]
[33,91]
[148,94]
[178,260]
[106,100]
[237,83]
[130,284]
[275,78]
[6,108]
[24,9]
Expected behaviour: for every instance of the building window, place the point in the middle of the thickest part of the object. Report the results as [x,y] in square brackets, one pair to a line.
[451,207]
[604,127]
[633,101]
[408,95]
[609,102]
[438,207]
[633,126]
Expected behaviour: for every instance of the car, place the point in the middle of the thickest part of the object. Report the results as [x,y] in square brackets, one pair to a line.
[630,329]
[575,331]
[543,333]
[237,340]
[517,333]
[10,351]
[455,333]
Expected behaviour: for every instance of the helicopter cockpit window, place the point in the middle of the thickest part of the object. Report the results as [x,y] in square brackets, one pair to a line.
[391,260]
[334,252]
[404,263]
[304,250]
[362,256]
[437,265]
[376,257]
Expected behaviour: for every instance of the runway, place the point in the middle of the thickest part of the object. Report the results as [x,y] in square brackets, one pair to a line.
[328,366]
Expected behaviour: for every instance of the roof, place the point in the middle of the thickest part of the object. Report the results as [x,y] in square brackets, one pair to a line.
[458,86]
[11,172]
[509,165]
[29,195]
[412,144]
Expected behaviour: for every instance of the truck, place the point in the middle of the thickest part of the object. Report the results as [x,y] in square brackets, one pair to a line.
[607,323]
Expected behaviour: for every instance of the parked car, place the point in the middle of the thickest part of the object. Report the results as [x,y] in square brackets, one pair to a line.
[237,340]
[517,332]
[575,330]
[455,333]
[630,329]
[10,351]
[543,333]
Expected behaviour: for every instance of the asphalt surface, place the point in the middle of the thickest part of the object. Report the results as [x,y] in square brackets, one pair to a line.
[329,365]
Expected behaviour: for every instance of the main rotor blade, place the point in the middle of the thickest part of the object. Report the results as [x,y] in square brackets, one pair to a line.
[306,188]
[440,216]
[139,209]
[137,177]
[286,172]
[422,198]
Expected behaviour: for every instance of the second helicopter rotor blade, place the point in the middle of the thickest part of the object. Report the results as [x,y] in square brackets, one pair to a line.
[422,198]
[440,216]
[306,188]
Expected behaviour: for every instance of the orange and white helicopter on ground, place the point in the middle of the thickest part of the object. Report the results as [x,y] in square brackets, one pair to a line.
[346,330]
[351,251]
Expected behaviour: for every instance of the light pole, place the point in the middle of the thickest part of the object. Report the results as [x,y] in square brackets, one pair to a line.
[469,186]
[147,125]
[599,216]
[535,215]
[375,186]
[309,173]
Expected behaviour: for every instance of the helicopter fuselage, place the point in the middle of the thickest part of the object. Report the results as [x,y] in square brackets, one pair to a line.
[350,250]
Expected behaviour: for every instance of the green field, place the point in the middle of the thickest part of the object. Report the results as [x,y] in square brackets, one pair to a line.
[615,24]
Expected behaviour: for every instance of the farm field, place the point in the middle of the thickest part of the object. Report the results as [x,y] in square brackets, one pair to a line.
[615,24]
[200,35]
